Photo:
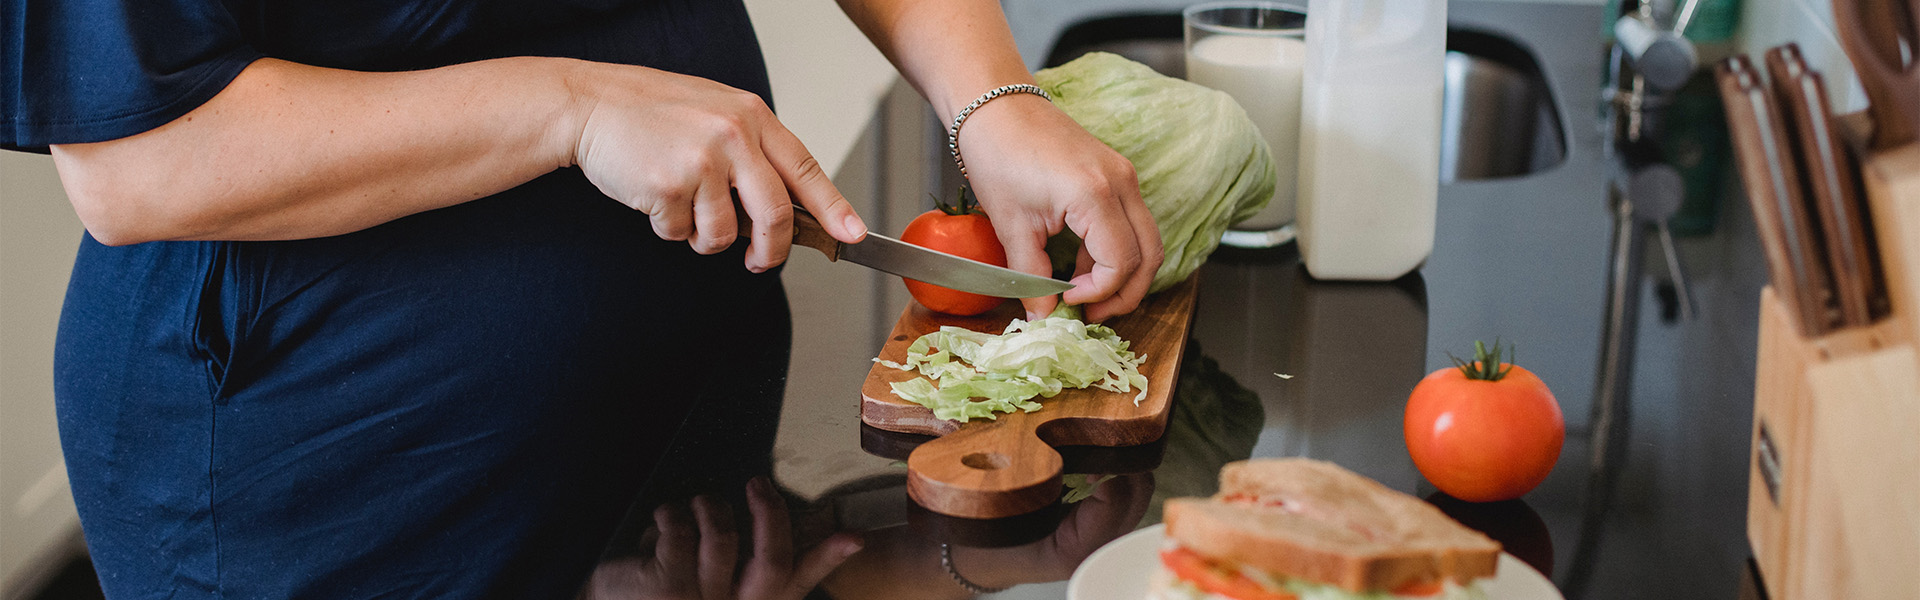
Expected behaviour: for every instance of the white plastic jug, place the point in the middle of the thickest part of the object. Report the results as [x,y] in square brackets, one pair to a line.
[1370,136]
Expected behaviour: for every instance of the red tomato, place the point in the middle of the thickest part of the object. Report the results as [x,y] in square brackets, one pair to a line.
[1214,578]
[968,234]
[1490,435]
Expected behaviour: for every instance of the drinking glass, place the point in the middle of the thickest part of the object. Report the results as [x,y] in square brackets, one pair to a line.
[1254,52]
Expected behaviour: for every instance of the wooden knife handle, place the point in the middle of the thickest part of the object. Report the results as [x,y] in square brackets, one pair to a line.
[806,231]
[1764,155]
[1828,171]
[1869,32]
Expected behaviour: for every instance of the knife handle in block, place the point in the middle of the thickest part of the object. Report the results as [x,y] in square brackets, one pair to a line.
[1869,34]
[1765,156]
[1828,171]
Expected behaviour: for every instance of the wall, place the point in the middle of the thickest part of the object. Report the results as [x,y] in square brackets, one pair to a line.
[826,77]
[38,235]
[1809,23]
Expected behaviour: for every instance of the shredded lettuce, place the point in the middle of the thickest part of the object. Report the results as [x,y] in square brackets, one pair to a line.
[1181,589]
[1081,486]
[983,374]
[1308,590]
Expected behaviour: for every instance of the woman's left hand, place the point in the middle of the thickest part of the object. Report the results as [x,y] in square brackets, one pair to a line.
[1035,170]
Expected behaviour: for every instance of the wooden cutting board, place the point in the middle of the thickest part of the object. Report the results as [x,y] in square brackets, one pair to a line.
[987,469]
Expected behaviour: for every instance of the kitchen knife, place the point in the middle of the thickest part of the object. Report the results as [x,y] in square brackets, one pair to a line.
[886,254]
[1829,172]
[1871,32]
[1765,156]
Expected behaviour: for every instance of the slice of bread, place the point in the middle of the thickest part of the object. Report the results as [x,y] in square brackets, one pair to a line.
[1316,521]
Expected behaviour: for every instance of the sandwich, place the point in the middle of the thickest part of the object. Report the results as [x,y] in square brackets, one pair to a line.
[1300,529]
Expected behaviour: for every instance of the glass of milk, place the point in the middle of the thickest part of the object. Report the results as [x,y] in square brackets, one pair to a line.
[1254,52]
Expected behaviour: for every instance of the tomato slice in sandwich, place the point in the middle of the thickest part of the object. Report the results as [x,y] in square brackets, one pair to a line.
[1420,589]
[1215,578]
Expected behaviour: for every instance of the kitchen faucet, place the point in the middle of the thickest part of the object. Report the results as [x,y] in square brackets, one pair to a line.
[1649,62]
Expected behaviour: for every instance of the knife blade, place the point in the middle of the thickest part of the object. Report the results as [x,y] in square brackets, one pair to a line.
[885,254]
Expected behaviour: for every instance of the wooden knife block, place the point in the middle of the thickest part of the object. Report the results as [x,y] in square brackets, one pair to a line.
[1833,498]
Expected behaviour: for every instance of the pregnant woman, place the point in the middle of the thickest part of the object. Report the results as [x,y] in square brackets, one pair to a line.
[404,298]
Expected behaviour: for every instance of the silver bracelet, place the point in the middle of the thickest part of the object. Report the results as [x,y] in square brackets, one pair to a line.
[946,560]
[953,133]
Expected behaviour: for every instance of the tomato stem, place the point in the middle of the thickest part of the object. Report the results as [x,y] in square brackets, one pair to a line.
[968,204]
[1486,366]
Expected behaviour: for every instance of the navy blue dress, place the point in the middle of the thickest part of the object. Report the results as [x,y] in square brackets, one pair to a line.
[456,404]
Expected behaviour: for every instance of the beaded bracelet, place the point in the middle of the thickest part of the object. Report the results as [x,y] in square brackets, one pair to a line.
[946,560]
[953,133]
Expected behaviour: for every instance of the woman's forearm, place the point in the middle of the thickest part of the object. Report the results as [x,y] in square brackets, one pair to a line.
[291,151]
[950,50]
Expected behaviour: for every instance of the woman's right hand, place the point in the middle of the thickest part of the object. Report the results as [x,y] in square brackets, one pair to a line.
[681,148]
[702,557]
[290,151]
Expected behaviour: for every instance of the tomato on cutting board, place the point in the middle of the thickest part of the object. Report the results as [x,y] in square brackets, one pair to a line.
[1484,430]
[962,230]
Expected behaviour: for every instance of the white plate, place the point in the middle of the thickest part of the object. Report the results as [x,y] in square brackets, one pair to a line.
[1119,571]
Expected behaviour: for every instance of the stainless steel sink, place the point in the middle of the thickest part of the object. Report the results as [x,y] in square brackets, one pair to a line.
[1499,117]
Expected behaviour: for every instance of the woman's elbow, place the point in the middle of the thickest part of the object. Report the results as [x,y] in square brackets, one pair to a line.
[114,232]
[115,207]
[114,217]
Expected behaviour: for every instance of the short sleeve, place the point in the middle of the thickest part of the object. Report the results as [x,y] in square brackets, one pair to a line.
[74,71]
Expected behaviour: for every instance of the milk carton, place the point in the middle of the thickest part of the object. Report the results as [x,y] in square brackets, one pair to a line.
[1370,136]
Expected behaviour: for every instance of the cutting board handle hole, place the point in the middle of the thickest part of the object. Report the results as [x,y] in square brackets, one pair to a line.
[986,461]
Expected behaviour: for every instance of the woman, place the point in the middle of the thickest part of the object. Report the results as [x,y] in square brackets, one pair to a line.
[355,315]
